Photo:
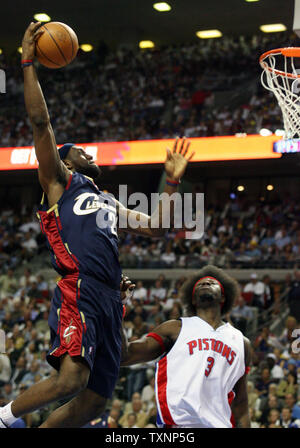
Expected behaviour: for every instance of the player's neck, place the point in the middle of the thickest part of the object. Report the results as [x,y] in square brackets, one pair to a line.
[211,315]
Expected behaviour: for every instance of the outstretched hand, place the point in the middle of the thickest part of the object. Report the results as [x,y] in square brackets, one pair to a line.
[31,35]
[126,288]
[177,159]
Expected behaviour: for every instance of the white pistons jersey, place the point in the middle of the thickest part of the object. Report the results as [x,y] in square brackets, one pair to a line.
[195,379]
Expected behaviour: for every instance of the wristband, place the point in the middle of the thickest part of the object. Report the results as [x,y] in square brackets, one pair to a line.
[26,62]
[172,183]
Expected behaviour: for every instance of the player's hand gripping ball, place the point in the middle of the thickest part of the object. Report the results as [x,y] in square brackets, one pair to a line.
[57,46]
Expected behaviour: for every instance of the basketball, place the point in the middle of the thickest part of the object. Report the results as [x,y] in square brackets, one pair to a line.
[57,46]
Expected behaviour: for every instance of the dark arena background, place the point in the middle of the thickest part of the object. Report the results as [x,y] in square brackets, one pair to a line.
[125,104]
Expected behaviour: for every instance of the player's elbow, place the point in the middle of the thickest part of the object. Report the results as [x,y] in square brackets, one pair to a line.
[40,121]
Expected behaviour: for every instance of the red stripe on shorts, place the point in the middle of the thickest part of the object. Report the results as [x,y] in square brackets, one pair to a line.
[70,323]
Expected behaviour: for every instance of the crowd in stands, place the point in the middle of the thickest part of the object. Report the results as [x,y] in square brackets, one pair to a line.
[238,234]
[131,95]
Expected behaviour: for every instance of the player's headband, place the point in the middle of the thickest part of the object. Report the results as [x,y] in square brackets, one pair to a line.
[64,150]
[221,286]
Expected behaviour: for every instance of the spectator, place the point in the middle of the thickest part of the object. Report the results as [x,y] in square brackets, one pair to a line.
[288,385]
[19,371]
[252,394]
[253,419]
[8,284]
[27,278]
[136,309]
[290,402]
[272,403]
[286,337]
[256,289]
[172,298]
[30,245]
[286,418]
[283,240]
[263,383]
[276,370]
[158,293]
[113,418]
[131,421]
[140,292]
[148,393]
[155,313]
[168,257]
[135,379]
[274,419]
[8,393]
[141,416]
[29,378]
[139,326]
[262,342]
[241,315]
[269,292]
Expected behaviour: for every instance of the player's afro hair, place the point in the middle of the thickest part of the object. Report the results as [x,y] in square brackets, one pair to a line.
[230,285]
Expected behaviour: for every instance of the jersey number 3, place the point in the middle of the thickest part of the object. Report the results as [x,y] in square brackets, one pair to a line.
[210,365]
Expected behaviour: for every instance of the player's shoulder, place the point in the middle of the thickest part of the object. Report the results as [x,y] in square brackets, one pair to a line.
[171,328]
[173,323]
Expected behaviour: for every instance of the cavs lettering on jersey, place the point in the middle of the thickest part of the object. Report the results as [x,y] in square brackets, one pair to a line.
[195,379]
[81,231]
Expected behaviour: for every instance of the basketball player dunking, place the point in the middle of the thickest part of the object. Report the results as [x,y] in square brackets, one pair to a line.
[86,311]
[200,378]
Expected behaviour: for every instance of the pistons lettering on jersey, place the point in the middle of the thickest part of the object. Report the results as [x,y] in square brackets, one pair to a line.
[214,345]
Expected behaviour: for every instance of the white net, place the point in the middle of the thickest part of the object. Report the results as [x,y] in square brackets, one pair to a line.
[281,77]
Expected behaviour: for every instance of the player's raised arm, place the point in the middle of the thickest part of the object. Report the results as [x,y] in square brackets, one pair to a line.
[154,226]
[151,346]
[52,172]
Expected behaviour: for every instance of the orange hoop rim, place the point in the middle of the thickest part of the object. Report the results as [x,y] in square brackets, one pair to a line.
[291,52]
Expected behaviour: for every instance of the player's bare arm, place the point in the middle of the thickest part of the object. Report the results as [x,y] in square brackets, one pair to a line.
[52,173]
[176,163]
[239,405]
[149,348]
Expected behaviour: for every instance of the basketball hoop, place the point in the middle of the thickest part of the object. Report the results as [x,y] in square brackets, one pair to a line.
[281,77]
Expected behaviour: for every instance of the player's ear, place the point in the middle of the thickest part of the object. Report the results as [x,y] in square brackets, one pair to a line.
[68,164]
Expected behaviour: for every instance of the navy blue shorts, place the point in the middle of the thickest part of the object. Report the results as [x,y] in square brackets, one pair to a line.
[85,320]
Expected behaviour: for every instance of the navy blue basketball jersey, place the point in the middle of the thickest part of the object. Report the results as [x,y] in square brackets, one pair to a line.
[81,232]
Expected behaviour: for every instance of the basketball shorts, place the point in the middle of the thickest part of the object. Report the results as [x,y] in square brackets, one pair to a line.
[85,320]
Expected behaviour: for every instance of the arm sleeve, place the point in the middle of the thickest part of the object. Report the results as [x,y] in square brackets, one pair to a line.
[159,340]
